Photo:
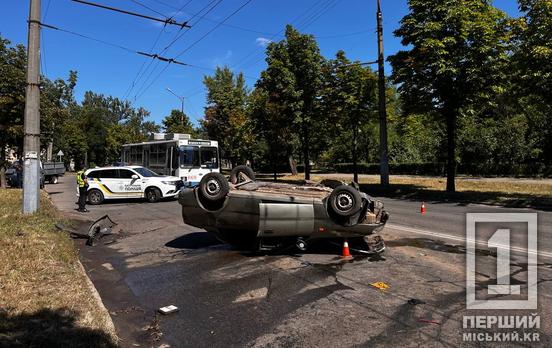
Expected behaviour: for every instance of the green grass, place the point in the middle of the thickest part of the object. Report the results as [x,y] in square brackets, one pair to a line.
[45,299]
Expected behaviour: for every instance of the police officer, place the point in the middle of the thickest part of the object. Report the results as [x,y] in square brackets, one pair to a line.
[82,183]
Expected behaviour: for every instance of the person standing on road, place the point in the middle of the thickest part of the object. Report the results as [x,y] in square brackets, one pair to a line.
[82,183]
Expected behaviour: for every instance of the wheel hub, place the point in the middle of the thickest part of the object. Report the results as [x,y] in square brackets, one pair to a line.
[344,202]
[213,187]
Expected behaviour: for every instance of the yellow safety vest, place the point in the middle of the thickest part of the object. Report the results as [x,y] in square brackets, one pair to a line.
[80,180]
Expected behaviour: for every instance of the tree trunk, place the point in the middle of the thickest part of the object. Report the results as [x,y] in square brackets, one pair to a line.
[306,158]
[450,115]
[292,165]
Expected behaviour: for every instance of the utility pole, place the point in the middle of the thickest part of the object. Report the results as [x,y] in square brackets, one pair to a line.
[384,161]
[31,144]
[181,104]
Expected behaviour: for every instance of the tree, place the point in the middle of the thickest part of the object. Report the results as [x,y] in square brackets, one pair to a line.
[13,63]
[226,119]
[178,122]
[456,57]
[351,96]
[294,80]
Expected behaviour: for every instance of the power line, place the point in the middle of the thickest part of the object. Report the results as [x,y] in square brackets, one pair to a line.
[166,20]
[154,56]
[141,73]
[214,28]
[194,43]
[149,8]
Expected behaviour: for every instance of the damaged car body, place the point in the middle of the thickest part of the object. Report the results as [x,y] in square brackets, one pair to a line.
[267,215]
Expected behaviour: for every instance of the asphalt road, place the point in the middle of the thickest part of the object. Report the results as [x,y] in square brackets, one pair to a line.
[227,297]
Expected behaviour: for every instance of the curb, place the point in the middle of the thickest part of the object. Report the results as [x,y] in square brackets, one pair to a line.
[109,321]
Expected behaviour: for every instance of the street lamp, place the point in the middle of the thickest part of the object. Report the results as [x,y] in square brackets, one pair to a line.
[181,98]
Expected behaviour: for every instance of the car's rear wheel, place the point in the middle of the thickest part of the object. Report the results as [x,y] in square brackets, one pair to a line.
[95,197]
[240,174]
[345,201]
[153,195]
[214,187]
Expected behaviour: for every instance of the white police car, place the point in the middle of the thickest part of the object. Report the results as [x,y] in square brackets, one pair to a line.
[129,182]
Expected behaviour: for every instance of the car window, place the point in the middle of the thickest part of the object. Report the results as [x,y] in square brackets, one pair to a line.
[125,174]
[94,174]
[109,174]
[145,172]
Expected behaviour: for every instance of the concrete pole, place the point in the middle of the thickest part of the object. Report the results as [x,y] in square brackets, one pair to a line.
[384,161]
[31,143]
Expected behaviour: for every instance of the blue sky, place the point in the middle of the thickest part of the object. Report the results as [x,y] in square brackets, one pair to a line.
[337,24]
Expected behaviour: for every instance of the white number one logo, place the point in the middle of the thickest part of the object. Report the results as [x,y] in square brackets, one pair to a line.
[501,241]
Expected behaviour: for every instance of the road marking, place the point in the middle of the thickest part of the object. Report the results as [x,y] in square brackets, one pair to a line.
[463,239]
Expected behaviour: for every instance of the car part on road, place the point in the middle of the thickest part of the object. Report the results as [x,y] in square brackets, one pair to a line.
[241,174]
[100,228]
[95,197]
[153,195]
[214,187]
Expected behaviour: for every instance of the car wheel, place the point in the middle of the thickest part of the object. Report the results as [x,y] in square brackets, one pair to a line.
[95,197]
[237,174]
[153,195]
[214,187]
[345,200]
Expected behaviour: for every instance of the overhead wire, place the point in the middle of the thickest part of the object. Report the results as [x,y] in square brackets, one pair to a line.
[196,42]
[141,73]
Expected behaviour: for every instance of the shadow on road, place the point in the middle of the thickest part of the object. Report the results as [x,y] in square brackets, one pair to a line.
[48,328]
[194,240]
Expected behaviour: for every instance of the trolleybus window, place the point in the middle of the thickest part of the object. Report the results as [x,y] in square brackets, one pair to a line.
[189,156]
[209,157]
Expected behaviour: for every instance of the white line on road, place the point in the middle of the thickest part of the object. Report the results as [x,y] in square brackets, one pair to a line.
[463,239]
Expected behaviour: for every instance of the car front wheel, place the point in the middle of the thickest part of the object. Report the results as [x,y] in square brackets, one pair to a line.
[95,197]
[153,195]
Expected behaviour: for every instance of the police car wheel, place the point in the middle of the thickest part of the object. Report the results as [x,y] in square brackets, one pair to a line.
[95,197]
[153,195]
[214,186]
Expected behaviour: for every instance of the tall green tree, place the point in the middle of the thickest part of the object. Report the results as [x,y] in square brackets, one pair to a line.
[178,122]
[351,97]
[13,62]
[226,119]
[294,80]
[457,50]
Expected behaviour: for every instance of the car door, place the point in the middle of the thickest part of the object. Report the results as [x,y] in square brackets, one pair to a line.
[108,180]
[131,187]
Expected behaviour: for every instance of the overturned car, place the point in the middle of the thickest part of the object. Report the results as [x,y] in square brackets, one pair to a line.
[268,215]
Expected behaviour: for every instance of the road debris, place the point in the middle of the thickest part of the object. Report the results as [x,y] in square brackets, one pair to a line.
[380,285]
[168,309]
[415,301]
[429,321]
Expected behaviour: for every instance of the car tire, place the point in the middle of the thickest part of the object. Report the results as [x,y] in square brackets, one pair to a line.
[214,187]
[95,197]
[345,201]
[235,177]
[153,194]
